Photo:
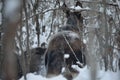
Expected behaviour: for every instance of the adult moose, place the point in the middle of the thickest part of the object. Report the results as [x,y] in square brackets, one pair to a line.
[67,41]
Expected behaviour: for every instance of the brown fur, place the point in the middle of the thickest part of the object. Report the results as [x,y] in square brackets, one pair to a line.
[54,55]
[57,41]
[61,44]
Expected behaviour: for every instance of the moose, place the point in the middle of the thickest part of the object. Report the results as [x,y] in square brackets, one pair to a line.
[66,41]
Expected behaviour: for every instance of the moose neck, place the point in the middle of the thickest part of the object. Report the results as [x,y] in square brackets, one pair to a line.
[73,23]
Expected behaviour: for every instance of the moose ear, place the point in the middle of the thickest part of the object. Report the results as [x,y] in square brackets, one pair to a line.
[65,9]
[78,3]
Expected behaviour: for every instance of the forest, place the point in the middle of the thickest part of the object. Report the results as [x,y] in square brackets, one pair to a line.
[34,33]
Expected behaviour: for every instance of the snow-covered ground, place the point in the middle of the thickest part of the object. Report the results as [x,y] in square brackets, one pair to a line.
[83,75]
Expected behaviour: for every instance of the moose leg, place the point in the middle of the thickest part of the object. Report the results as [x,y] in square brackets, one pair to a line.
[70,72]
[67,74]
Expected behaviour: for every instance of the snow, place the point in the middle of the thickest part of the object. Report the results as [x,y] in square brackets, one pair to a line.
[32,76]
[83,75]
[109,75]
[109,12]
[78,8]
[101,9]
[66,56]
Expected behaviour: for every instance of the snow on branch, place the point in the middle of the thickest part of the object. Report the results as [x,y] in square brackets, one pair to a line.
[100,2]
[78,8]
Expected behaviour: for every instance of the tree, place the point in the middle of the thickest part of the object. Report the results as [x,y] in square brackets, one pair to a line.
[37,20]
[9,25]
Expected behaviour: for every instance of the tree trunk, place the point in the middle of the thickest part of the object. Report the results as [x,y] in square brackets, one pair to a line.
[9,26]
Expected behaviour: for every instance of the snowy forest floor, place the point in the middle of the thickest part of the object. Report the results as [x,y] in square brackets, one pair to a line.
[83,75]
